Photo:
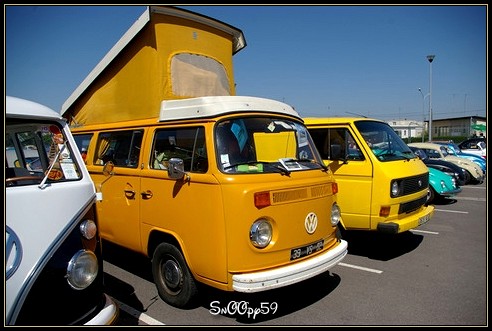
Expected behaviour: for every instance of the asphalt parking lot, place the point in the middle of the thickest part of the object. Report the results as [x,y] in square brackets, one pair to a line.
[435,275]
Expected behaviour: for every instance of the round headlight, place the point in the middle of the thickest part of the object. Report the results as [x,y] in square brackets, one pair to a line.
[260,233]
[82,269]
[336,214]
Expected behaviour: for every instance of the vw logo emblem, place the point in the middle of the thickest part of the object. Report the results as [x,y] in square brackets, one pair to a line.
[311,223]
[13,252]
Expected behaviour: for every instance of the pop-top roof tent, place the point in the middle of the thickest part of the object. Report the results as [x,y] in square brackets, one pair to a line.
[168,54]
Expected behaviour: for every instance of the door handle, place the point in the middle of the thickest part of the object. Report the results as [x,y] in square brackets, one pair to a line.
[147,194]
[130,194]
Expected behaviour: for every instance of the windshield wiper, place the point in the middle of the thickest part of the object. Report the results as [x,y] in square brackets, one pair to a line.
[411,156]
[282,169]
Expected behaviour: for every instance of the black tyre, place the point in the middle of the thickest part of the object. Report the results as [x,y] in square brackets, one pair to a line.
[468,177]
[431,195]
[173,279]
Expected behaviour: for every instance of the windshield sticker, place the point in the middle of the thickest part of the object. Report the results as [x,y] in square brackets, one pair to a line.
[301,136]
[224,158]
[69,170]
[239,130]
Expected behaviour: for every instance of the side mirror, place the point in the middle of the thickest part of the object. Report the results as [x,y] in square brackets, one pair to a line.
[175,168]
[108,168]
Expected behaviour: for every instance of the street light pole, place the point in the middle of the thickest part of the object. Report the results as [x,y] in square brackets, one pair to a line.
[423,112]
[430,58]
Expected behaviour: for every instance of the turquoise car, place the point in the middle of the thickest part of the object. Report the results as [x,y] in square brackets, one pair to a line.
[441,186]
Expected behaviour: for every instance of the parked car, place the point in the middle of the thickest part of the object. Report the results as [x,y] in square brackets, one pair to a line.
[53,254]
[454,149]
[441,186]
[474,146]
[460,174]
[437,151]
[466,144]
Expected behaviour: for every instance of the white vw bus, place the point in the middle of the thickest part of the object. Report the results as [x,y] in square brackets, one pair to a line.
[53,261]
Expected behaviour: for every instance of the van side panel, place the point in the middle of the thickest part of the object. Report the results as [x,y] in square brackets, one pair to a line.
[119,208]
[193,213]
[355,181]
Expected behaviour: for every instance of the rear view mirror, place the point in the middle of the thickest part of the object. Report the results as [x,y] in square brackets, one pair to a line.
[176,168]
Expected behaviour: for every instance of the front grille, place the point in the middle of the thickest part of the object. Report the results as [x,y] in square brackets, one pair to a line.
[414,184]
[408,207]
[301,194]
[291,195]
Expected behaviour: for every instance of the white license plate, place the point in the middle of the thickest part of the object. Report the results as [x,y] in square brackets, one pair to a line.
[297,253]
[424,219]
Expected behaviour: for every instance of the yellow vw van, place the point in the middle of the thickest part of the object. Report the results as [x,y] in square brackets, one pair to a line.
[228,191]
[219,189]
[383,185]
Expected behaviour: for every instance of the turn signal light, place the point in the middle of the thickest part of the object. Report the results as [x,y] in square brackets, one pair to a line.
[334,188]
[262,199]
[384,211]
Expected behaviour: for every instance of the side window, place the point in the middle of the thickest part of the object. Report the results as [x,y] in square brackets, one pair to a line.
[120,147]
[340,138]
[319,137]
[83,141]
[354,152]
[195,75]
[432,154]
[187,144]
[336,139]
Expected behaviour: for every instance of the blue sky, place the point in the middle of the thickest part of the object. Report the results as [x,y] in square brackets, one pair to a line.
[323,60]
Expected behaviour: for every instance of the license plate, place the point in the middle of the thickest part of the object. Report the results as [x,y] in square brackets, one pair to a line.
[424,219]
[297,253]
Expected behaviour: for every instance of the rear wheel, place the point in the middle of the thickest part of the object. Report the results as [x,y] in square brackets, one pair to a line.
[172,277]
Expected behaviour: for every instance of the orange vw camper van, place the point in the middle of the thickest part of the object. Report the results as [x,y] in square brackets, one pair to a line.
[224,190]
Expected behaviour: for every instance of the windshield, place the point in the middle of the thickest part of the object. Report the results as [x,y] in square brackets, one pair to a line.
[264,144]
[37,152]
[385,144]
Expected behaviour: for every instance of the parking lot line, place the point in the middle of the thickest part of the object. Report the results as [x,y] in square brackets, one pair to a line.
[452,211]
[422,231]
[360,268]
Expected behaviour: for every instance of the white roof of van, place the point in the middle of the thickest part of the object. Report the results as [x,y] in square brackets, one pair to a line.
[22,108]
[218,105]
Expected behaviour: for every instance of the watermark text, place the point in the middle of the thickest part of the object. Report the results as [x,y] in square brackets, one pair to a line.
[243,308]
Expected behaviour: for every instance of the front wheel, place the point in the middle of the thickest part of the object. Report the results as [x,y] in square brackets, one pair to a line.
[173,279]
[431,196]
